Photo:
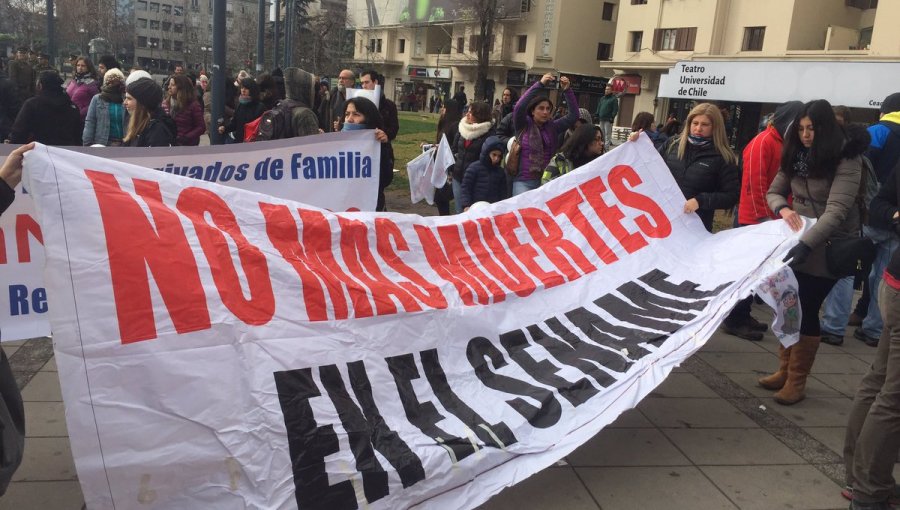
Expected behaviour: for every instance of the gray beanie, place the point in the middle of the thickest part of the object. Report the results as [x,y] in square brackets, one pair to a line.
[147,92]
[891,103]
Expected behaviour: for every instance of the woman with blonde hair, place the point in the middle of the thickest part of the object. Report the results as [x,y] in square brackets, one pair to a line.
[184,108]
[148,124]
[703,165]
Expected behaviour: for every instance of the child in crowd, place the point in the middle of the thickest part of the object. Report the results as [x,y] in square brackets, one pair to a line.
[485,180]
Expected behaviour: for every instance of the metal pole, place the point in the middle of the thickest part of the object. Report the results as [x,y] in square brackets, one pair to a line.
[51,34]
[275,29]
[261,38]
[288,32]
[218,77]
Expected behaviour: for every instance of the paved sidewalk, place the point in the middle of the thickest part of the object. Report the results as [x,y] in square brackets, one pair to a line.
[707,438]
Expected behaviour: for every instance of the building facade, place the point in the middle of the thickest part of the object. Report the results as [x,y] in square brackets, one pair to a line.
[436,53]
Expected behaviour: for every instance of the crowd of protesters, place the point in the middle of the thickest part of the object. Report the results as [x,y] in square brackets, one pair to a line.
[808,161]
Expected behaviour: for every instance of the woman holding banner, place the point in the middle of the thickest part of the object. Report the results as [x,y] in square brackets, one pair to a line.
[821,167]
[360,113]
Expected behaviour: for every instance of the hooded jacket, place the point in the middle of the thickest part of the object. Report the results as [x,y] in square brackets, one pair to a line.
[300,87]
[160,131]
[884,151]
[483,181]
[467,146]
[832,199]
[49,118]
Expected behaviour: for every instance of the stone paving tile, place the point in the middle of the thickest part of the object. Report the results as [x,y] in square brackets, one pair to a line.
[722,342]
[10,349]
[630,419]
[839,364]
[551,488]
[832,437]
[800,487]
[46,458]
[44,387]
[693,413]
[671,488]
[43,496]
[846,384]
[731,362]
[814,387]
[50,366]
[815,411]
[45,419]
[627,447]
[731,447]
[683,385]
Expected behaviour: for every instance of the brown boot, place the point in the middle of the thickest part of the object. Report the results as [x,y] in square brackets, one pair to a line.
[803,354]
[776,381]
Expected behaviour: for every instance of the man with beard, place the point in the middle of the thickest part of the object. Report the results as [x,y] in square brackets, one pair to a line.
[335,113]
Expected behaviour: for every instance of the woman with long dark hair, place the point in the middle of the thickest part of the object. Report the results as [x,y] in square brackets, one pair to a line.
[474,129]
[703,165]
[248,109]
[644,121]
[84,86]
[360,113]
[448,125]
[583,146]
[182,105]
[821,167]
[538,134]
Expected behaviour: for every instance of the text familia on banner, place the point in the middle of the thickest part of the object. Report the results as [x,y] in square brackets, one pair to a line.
[332,171]
[221,349]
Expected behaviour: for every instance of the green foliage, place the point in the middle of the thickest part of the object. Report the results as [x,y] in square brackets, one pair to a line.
[415,129]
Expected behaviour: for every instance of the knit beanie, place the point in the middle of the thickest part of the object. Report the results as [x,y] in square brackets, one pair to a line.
[585,115]
[134,76]
[146,92]
[113,74]
[891,103]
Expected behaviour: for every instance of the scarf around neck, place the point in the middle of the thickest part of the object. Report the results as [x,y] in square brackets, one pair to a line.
[801,163]
[112,93]
[470,132]
[84,79]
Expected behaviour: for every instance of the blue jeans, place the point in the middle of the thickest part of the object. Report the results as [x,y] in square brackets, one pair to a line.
[520,187]
[837,306]
[457,195]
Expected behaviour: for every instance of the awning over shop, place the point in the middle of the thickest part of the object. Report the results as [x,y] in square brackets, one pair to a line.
[855,84]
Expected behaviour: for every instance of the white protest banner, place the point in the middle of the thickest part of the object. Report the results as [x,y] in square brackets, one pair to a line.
[332,171]
[373,95]
[223,349]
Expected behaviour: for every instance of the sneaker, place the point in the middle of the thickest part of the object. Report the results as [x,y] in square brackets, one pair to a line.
[742,330]
[830,339]
[862,337]
[854,320]
[755,325]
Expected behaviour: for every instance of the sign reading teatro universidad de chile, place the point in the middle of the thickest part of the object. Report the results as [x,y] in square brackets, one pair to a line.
[224,349]
[854,84]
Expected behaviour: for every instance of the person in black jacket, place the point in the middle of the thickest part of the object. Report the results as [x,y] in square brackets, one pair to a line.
[873,427]
[703,164]
[448,125]
[9,106]
[249,108]
[474,129]
[148,125]
[360,113]
[49,117]
[485,179]
[12,411]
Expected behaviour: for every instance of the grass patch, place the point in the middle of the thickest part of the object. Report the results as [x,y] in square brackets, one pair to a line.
[415,128]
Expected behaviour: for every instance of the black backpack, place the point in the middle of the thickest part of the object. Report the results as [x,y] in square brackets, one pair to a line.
[276,124]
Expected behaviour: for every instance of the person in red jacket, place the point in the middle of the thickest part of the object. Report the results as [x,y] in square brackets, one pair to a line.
[759,162]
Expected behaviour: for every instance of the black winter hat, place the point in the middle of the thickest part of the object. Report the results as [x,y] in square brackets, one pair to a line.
[891,103]
[147,92]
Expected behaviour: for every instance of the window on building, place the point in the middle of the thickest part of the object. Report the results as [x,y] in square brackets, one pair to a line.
[142,23]
[377,45]
[154,24]
[401,45]
[142,5]
[371,46]
[142,41]
[635,41]
[753,38]
[195,5]
[178,45]
[178,10]
[526,5]
[460,48]
[638,2]
[475,43]
[675,39]
[865,38]
[166,9]
[522,43]
[154,6]
[166,26]
[608,11]
[178,28]
[167,44]
[153,42]
[604,51]
[862,4]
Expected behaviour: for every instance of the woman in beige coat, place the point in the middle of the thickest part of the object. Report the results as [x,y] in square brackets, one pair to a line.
[821,168]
